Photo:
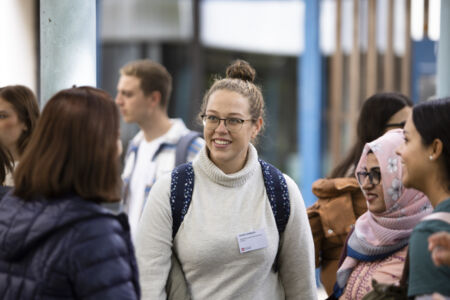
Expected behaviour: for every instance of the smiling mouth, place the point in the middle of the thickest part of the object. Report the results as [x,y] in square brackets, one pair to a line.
[221,142]
[371,197]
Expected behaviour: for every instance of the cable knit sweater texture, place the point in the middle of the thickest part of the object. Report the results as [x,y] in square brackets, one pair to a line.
[223,206]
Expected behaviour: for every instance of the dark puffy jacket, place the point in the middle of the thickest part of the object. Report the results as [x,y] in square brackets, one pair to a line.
[65,248]
[4,190]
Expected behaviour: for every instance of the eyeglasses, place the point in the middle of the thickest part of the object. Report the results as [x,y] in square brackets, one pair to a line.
[374,176]
[399,125]
[232,124]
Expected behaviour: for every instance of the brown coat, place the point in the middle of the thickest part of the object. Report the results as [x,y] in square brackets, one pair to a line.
[340,202]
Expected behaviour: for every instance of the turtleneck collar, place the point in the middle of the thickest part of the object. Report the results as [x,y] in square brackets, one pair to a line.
[205,165]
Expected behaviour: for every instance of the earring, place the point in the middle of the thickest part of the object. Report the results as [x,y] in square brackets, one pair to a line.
[431,157]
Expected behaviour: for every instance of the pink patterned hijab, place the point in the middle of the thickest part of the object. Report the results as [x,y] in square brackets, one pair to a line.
[404,207]
[377,236]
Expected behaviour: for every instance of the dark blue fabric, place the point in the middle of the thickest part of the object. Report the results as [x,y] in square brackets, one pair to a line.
[181,188]
[65,248]
[277,191]
[362,257]
[4,190]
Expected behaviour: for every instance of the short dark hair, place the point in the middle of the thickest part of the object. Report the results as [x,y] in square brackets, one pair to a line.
[432,121]
[26,106]
[153,76]
[375,113]
[73,149]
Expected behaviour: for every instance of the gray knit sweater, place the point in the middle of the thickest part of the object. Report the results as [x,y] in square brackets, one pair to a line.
[223,206]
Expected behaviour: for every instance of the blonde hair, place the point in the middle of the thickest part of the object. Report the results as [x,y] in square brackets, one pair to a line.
[240,77]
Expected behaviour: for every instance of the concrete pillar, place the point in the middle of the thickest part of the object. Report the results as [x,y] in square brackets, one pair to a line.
[68,45]
[443,60]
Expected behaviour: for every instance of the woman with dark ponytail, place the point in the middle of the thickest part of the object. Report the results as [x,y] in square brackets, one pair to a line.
[236,238]
[426,159]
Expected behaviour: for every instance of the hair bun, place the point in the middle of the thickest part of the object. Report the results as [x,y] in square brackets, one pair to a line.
[240,69]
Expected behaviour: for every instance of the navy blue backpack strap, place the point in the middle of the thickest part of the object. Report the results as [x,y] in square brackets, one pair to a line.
[278,193]
[181,188]
[181,151]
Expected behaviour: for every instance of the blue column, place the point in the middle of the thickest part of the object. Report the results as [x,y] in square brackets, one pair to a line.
[443,61]
[310,103]
[68,45]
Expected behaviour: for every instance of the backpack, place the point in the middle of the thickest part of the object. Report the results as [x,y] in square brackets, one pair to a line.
[181,150]
[182,187]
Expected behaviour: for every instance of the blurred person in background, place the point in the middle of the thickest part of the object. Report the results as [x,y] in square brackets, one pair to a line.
[19,112]
[56,240]
[229,243]
[426,159]
[340,200]
[377,247]
[143,95]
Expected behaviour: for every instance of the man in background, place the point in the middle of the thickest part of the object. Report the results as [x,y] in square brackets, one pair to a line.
[143,94]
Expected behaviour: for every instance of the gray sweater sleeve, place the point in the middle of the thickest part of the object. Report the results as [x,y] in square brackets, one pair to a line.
[297,250]
[154,241]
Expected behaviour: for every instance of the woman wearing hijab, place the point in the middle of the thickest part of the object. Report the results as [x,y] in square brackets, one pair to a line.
[377,247]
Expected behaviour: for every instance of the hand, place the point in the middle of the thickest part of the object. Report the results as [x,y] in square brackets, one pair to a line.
[439,245]
[437,296]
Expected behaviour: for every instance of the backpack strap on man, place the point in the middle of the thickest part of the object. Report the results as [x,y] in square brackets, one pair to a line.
[182,148]
[278,193]
[181,188]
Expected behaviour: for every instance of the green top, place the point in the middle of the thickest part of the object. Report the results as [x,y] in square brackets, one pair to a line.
[424,277]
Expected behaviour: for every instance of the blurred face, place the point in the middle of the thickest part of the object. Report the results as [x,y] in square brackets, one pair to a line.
[398,120]
[415,158]
[132,102]
[10,126]
[373,191]
[228,149]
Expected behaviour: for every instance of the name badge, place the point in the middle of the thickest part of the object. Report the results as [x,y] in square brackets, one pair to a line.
[252,240]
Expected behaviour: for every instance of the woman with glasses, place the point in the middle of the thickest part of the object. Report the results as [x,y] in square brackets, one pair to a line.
[340,201]
[228,244]
[426,159]
[377,247]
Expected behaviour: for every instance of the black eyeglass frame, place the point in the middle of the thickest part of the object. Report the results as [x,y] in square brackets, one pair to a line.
[374,176]
[226,121]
